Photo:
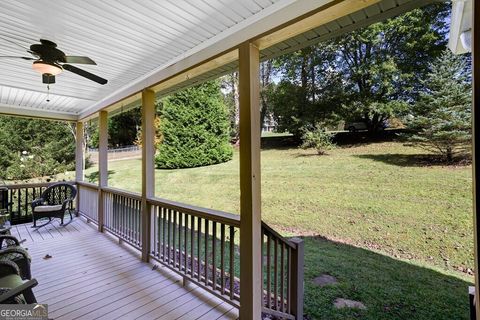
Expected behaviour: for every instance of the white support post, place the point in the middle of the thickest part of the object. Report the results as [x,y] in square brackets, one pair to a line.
[148,167]
[102,164]
[250,204]
[476,146]
[79,160]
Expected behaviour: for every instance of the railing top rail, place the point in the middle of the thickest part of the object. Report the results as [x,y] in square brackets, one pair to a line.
[210,214]
[124,193]
[277,235]
[36,184]
[88,185]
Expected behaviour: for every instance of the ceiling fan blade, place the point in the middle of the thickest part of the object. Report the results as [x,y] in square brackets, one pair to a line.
[79,59]
[85,74]
[15,57]
[48,78]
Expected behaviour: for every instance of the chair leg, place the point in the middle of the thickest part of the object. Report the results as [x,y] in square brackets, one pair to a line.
[29,296]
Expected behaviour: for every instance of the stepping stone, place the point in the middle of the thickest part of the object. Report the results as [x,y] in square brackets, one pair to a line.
[324,280]
[341,303]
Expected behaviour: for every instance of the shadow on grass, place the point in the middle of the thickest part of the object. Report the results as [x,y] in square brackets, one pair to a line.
[411,160]
[389,288]
[93,177]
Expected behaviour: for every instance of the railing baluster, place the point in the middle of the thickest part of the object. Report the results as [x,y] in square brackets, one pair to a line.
[206,251]
[174,238]
[222,258]
[185,249]
[232,262]
[192,235]
[199,243]
[289,280]
[169,229]
[214,247]
[262,261]
[164,226]
[269,292]
[158,232]
[282,278]
[275,274]
[180,245]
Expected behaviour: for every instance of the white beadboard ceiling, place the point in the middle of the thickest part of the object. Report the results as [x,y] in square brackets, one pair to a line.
[130,40]
[126,38]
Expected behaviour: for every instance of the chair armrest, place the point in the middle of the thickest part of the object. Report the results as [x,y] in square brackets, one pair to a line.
[7,239]
[37,202]
[18,250]
[27,285]
[8,267]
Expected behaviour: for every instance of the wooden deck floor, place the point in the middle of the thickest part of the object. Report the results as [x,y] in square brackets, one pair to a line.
[90,276]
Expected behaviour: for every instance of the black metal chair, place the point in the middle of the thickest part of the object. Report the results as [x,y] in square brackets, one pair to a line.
[53,203]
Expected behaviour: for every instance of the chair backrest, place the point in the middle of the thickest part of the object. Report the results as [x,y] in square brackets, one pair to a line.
[58,193]
[3,198]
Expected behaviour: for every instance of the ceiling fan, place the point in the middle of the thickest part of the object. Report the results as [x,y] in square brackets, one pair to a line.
[50,61]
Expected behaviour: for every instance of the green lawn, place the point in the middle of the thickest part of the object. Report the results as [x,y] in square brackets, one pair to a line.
[413,220]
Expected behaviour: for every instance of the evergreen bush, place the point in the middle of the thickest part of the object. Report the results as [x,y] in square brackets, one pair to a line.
[194,126]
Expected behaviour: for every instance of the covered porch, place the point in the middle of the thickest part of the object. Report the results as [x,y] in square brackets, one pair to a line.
[225,265]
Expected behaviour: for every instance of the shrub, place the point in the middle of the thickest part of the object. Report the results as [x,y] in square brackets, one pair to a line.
[318,139]
[194,126]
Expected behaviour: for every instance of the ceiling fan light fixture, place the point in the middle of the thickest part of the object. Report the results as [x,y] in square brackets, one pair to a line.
[43,67]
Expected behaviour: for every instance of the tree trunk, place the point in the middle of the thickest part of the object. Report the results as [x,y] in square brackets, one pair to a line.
[449,154]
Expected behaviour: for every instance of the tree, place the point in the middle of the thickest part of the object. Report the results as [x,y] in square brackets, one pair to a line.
[32,148]
[367,75]
[231,100]
[381,64]
[308,90]
[441,118]
[195,128]
[123,129]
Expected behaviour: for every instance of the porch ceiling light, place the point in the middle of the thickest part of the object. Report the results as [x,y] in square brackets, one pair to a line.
[47,68]
[466,38]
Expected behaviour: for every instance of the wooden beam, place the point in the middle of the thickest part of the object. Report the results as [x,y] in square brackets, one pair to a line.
[476,145]
[11,110]
[322,15]
[250,204]
[102,164]
[79,160]
[148,167]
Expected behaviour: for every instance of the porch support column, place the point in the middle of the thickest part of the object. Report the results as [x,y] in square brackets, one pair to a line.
[250,205]
[102,164]
[79,159]
[148,167]
[476,144]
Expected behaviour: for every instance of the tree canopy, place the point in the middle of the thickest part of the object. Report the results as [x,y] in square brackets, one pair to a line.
[367,75]
[34,148]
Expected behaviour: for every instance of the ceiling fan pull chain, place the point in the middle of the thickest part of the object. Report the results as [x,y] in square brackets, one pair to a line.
[48,93]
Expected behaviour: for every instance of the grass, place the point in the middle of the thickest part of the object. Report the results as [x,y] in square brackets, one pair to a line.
[413,222]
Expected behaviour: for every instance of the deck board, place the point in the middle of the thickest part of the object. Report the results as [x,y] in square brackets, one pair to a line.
[91,276]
